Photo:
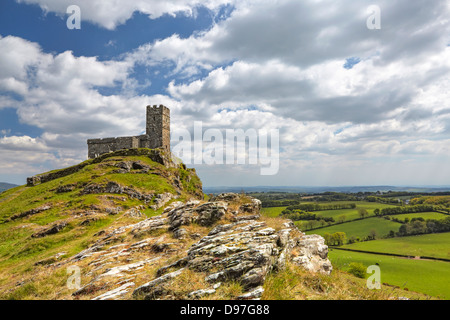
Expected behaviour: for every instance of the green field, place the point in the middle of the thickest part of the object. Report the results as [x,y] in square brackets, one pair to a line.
[350,214]
[429,277]
[425,215]
[360,228]
[430,245]
[272,212]
[425,276]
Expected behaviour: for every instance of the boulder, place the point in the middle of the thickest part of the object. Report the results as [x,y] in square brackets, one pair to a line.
[210,212]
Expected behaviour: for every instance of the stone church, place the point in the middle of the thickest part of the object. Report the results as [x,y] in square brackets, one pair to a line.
[157,135]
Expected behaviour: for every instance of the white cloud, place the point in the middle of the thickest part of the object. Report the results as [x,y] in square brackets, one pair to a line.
[21,143]
[270,64]
[110,14]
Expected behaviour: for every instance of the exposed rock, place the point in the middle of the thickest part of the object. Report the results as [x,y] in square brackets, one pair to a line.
[113,211]
[249,217]
[181,215]
[245,250]
[50,260]
[31,212]
[210,212]
[51,230]
[173,205]
[148,225]
[205,214]
[313,254]
[255,294]
[242,251]
[200,293]
[240,247]
[115,188]
[88,221]
[132,167]
[115,293]
[161,200]
[228,197]
[180,233]
[150,287]
[253,207]
[120,270]
[66,188]
[134,213]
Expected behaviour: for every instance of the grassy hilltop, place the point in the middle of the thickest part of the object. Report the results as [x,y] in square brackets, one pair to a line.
[96,216]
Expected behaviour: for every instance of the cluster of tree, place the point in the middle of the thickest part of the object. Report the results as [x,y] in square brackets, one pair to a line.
[279,203]
[314,224]
[420,226]
[334,196]
[373,235]
[404,209]
[335,239]
[443,201]
[277,199]
[305,216]
[363,213]
[318,207]
[383,200]
[398,220]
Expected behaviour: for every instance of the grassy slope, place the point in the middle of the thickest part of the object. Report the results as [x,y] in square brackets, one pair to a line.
[429,277]
[297,284]
[19,251]
[273,211]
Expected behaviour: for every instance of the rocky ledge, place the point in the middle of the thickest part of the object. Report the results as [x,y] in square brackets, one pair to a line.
[240,246]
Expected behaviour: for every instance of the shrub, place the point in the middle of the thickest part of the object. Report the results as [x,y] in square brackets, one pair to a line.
[357,269]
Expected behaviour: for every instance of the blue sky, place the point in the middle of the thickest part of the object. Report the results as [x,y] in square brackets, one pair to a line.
[353,106]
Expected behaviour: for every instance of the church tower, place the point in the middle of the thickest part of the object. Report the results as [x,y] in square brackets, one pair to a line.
[158,126]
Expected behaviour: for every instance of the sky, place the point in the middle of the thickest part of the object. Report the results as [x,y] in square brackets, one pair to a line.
[353,104]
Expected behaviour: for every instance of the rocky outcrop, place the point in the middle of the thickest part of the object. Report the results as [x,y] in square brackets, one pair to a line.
[245,250]
[161,199]
[133,167]
[312,254]
[57,227]
[115,188]
[240,246]
[30,212]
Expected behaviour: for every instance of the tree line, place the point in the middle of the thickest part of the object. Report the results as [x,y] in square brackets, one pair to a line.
[318,207]
[305,216]
[420,226]
[402,210]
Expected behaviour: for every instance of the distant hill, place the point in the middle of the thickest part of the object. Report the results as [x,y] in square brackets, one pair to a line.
[5,186]
[344,189]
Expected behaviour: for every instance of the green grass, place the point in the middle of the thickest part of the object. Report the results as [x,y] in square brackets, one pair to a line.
[350,214]
[425,215]
[19,251]
[360,228]
[431,245]
[272,212]
[429,277]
